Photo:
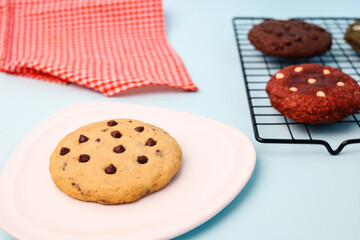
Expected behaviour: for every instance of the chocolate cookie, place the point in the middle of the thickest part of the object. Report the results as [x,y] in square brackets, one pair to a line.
[313,93]
[352,35]
[290,39]
[116,161]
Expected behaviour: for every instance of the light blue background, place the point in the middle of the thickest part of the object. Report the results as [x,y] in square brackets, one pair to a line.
[296,191]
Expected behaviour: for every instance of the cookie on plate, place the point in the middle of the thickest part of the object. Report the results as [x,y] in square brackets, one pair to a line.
[352,35]
[290,38]
[313,93]
[115,161]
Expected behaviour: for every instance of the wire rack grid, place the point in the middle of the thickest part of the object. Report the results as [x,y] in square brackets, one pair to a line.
[272,127]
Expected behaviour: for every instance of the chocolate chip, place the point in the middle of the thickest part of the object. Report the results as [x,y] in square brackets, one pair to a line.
[150,142]
[97,140]
[116,134]
[64,151]
[142,159]
[139,129]
[119,149]
[84,158]
[112,123]
[104,130]
[111,169]
[83,138]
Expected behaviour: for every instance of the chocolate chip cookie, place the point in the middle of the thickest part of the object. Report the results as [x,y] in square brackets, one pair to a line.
[290,39]
[352,35]
[115,161]
[313,93]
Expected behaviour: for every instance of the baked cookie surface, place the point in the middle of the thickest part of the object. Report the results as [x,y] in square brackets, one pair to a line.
[115,161]
[352,35]
[290,38]
[313,93]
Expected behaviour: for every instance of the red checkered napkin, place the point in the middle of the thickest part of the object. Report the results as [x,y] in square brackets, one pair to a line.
[106,45]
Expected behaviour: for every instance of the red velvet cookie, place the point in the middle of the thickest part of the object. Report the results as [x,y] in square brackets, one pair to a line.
[290,39]
[313,93]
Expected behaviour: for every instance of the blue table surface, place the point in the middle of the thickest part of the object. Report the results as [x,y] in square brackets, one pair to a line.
[295,192]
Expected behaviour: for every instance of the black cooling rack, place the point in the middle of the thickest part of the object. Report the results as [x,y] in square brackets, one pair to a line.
[272,127]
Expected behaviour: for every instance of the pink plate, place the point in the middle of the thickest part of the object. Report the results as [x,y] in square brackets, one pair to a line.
[218,160]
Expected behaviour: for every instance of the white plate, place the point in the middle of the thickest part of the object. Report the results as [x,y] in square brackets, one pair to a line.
[218,160]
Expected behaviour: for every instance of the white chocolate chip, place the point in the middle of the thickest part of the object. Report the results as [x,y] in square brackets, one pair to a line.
[326,72]
[340,84]
[320,94]
[298,69]
[311,80]
[279,76]
[294,89]
[356,28]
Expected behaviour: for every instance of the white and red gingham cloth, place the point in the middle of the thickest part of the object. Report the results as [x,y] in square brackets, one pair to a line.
[106,45]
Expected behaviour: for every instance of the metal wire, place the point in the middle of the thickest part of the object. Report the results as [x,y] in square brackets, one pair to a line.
[269,125]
